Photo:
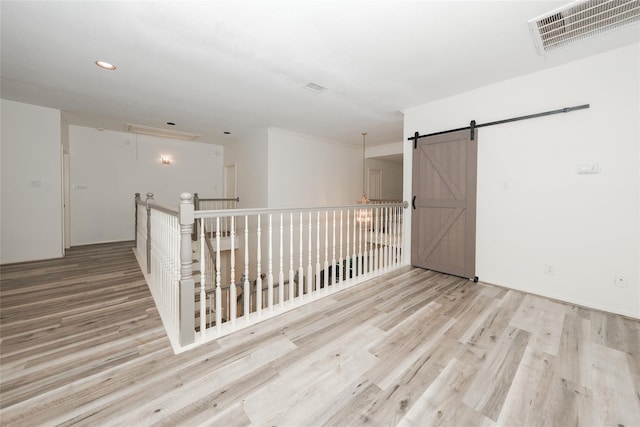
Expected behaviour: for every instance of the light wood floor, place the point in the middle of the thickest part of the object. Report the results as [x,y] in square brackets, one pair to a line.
[82,344]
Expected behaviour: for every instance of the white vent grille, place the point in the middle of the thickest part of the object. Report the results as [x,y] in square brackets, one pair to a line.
[581,19]
[314,87]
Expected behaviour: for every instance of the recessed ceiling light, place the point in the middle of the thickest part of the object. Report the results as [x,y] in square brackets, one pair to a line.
[105,65]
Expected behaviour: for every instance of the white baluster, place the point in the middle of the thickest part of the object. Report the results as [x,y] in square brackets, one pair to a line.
[203,293]
[354,260]
[392,238]
[384,232]
[368,240]
[318,253]
[388,249]
[396,239]
[333,252]
[371,239]
[281,275]
[360,266]
[211,282]
[233,291]
[291,273]
[259,267]
[326,250]
[381,237]
[218,289]
[270,276]
[378,237]
[340,274]
[401,233]
[300,267]
[246,292]
[348,261]
[309,267]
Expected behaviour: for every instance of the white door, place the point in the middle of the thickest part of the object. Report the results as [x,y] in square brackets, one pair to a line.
[375,184]
[66,201]
[229,181]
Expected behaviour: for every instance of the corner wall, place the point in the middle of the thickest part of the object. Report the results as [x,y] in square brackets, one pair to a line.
[250,157]
[306,171]
[31,173]
[541,227]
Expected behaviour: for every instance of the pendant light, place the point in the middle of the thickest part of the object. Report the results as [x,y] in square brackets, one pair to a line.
[364,215]
[363,200]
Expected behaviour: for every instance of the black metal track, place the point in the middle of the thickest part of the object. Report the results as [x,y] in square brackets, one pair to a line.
[473,124]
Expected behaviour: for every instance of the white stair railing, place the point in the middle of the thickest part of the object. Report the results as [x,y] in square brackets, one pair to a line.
[284,258]
[163,249]
[291,257]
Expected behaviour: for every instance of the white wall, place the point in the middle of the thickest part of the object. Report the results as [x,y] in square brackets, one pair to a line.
[113,166]
[306,171]
[391,149]
[250,158]
[585,226]
[391,177]
[31,212]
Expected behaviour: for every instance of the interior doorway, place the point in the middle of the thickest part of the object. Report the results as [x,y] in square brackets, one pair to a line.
[66,202]
[375,184]
[229,178]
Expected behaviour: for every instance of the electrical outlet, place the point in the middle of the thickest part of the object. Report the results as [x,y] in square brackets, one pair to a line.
[620,281]
[549,270]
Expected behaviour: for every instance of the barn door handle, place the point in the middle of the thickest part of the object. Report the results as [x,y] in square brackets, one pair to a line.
[413,203]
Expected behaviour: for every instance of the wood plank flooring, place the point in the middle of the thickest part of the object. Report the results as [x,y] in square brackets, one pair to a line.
[82,344]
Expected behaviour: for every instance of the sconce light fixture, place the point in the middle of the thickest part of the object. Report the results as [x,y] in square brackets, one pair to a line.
[166,160]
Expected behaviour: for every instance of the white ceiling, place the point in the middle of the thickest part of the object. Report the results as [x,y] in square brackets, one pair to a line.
[241,65]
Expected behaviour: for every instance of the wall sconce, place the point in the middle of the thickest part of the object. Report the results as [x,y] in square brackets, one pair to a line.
[166,160]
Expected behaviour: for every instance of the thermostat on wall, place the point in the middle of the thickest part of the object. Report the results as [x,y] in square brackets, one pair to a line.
[590,168]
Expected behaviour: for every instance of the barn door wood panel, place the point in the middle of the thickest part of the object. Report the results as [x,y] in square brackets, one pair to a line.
[443,228]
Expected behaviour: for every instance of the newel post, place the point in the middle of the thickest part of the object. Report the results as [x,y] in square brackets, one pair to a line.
[135,221]
[187,286]
[149,202]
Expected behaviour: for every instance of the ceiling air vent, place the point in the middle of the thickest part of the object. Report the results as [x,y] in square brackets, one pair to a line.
[580,20]
[314,87]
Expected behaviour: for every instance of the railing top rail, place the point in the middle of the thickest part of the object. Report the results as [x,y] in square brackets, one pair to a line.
[255,211]
[165,210]
[235,199]
[158,208]
[140,201]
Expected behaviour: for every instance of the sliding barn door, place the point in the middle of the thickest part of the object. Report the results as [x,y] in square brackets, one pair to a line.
[443,228]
